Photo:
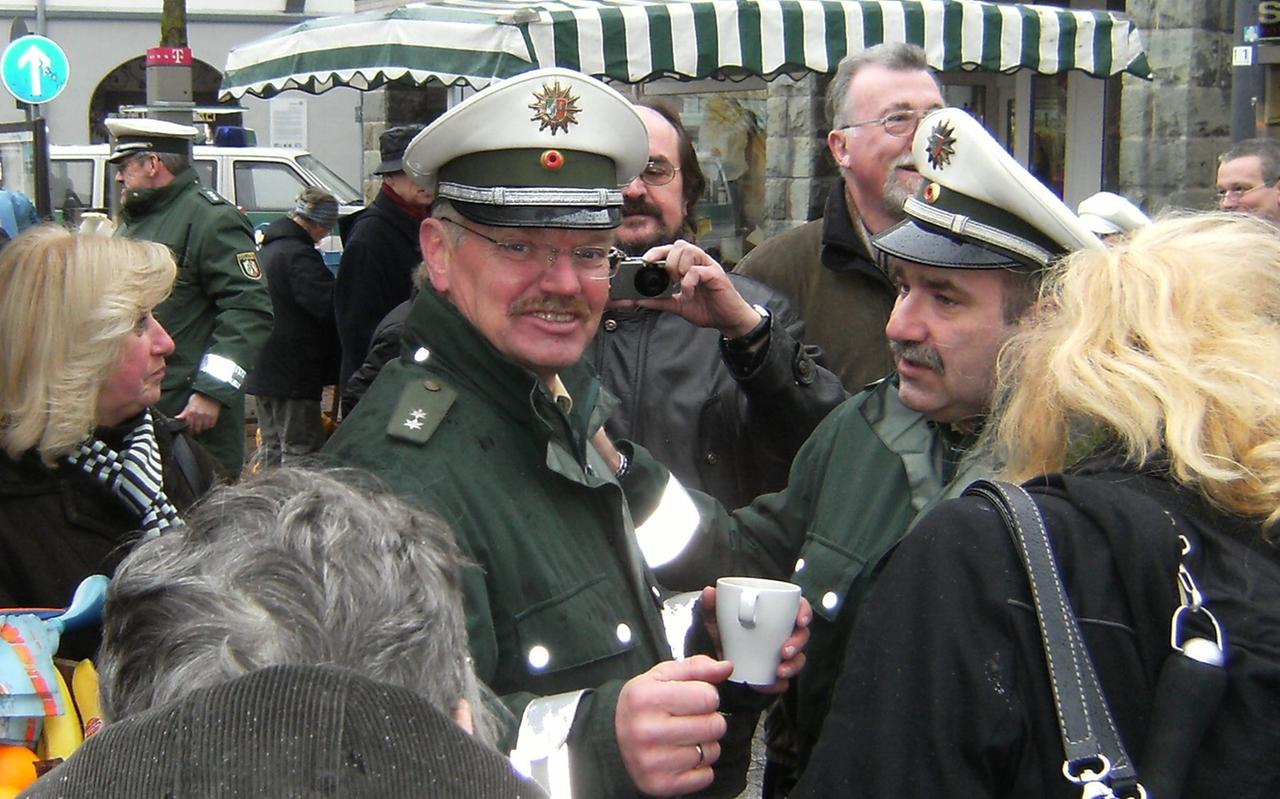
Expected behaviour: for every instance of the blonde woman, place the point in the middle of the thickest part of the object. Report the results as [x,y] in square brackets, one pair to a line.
[86,467]
[1148,391]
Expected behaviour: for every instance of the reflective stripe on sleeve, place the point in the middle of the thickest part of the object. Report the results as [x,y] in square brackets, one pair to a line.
[222,369]
[542,744]
[670,528]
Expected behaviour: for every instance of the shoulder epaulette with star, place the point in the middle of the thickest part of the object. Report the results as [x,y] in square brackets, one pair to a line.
[422,406]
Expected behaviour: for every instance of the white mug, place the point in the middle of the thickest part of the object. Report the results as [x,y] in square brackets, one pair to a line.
[755,617]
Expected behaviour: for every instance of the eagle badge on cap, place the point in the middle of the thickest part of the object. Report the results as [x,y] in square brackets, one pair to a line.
[940,147]
[554,107]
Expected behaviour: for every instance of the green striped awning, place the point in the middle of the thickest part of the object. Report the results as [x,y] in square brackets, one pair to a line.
[453,41]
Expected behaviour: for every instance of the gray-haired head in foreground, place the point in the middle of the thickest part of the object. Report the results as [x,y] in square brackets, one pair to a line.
[294,567]
[898,56]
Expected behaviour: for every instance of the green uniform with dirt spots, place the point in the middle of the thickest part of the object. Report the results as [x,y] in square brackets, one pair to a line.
[219,313]
[560,599]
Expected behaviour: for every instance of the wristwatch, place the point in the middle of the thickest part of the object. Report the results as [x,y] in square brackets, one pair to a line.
[754,336]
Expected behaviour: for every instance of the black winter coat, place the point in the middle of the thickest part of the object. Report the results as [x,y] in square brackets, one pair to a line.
[58,526]
[732,437]
[301,356]
[379,255]
[945,691]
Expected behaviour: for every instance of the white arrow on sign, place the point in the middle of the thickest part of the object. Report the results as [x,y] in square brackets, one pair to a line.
[35,58]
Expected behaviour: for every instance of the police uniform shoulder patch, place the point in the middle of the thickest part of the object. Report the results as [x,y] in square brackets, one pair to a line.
[249,265]
[213,197]
[422,406]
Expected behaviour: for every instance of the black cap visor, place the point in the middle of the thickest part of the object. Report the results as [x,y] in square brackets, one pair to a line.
[915,241]
[556,216]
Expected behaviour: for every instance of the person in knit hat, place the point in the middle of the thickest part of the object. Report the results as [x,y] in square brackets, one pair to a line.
[301,355]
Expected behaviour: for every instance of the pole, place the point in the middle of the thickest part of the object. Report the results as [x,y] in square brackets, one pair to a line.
[1246,81]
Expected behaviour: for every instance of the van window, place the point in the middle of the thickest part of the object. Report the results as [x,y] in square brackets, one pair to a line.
[339,188]
[71,184]
[207,171]
[262,186]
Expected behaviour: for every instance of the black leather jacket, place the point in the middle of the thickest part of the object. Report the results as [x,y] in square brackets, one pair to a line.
[731,436]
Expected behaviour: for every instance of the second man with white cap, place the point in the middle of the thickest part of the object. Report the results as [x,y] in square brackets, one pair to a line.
[965,262]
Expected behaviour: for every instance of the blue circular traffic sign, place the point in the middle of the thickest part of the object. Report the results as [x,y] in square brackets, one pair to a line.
[34,69]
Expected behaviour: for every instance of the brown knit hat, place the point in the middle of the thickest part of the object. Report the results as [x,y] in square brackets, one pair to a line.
[284,731]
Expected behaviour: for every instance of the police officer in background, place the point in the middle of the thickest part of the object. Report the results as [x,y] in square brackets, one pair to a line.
[219,313]
[486,419]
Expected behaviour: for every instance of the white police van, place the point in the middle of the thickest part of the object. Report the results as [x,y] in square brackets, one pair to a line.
[263,182]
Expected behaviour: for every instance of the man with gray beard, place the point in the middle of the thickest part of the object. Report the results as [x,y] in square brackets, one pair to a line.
[828,267]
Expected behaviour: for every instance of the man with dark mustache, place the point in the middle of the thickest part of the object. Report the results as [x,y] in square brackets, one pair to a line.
[828,267]
[725,419]
[888,454]
[487,418]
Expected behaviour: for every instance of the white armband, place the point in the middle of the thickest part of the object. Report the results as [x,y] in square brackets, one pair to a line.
[542,744]
[670,528]
[224,370]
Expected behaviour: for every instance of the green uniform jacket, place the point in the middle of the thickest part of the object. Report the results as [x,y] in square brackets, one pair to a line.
[869,470]
[219,313]
[560,599]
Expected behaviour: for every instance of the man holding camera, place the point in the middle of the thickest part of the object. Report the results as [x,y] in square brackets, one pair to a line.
[487,416]
[721,395]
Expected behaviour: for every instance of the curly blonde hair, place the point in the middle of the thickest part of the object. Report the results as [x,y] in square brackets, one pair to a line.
[67,302]
[1164,346]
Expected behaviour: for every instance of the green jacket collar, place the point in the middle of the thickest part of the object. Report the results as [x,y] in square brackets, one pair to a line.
[460,353]
[141,202]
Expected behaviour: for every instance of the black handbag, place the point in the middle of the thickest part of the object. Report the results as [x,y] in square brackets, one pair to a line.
[1189,689]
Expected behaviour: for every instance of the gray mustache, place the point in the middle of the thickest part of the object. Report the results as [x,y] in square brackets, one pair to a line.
[918,353]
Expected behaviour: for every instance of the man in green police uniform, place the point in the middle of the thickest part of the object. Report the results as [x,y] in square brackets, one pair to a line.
[486,418]
[965,262]
[219,313]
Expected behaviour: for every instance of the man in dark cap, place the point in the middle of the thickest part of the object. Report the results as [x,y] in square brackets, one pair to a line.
[301,356]
[486,418]
[219,313]
[379,252]
[966,263]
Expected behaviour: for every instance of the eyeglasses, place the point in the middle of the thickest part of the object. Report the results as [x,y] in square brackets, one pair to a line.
[1238,193]
[597,262]
[659,173]
[899,123]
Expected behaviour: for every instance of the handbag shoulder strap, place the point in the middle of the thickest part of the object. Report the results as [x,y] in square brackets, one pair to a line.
[1095,757]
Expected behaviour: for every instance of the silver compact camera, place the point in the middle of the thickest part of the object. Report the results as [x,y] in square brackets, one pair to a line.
[638,279]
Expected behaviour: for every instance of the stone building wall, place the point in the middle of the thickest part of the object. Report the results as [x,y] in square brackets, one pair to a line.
[1172,128]
[799,171]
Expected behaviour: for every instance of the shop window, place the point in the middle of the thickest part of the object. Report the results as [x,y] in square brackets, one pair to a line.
[1049,131]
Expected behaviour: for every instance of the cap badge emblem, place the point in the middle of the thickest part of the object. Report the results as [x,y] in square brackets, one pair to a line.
[940,149]
[931,192]
[554,107]
[552,160]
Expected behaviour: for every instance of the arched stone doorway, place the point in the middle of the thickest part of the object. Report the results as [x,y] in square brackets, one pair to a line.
[127,85]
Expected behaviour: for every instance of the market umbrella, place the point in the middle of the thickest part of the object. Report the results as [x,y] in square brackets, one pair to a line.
[631,41]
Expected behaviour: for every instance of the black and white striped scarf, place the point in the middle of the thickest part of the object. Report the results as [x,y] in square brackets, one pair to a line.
[134,475]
